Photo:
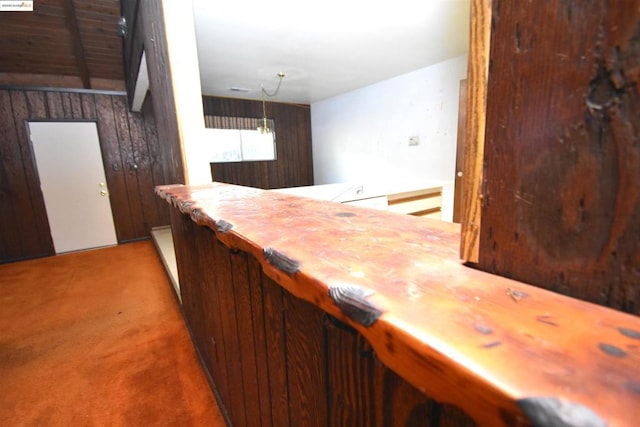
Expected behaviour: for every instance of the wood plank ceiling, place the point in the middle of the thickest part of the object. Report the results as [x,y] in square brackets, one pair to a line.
[63,43]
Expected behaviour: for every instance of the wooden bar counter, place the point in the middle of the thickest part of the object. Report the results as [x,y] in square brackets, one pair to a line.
[316,313]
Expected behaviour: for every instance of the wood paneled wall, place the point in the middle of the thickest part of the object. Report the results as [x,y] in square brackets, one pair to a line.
[129,144]
[276,360]
[294,164]
[561,196]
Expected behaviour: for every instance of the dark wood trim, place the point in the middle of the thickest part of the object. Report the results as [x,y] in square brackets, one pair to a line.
[69,120]
[62,89]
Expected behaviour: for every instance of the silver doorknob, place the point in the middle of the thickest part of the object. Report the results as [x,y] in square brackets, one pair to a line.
[104,192]
[459,174]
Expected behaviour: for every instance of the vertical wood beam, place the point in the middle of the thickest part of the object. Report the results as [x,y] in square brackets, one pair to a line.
[561,200]
[185,75]
[478,71]
[76,39]
[174,78]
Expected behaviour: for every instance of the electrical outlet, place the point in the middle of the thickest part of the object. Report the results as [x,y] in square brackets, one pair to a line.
[413,141]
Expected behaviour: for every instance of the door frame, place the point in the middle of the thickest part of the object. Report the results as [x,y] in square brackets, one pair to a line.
[37,174]
[460,151]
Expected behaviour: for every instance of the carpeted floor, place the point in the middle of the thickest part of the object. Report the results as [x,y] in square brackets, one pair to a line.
[95,338]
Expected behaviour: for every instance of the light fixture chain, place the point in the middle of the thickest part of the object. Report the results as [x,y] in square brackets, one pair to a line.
[275,92]
[263,127]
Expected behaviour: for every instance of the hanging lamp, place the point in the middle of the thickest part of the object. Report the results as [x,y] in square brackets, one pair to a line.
[263,124]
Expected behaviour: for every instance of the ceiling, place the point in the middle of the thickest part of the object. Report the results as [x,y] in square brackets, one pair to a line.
[325,48]
[76,39]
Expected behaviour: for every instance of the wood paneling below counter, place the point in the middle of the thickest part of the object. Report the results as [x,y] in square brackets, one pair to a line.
[340,315]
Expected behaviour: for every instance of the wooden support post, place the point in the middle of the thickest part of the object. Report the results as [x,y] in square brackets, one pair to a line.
[480,35]
[172,63]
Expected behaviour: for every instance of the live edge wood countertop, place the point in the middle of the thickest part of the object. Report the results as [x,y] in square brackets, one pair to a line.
[505,352]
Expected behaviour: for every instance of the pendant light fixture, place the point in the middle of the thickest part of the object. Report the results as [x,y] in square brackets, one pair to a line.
[263,124]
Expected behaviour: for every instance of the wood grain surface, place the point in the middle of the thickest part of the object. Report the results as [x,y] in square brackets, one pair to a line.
[284,361]
[128,144]
[151,19]
[69,42]
[561,196]
[477,76]
[293,166]
[459,335]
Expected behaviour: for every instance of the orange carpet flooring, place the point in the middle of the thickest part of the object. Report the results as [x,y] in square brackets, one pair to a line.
[96,338]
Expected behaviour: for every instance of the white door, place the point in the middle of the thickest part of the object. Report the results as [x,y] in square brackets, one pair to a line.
[73,184]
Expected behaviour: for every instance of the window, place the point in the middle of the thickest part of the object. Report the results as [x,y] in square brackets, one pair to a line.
[236,139]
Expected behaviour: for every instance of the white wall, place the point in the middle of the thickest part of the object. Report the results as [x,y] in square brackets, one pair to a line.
[363,136]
